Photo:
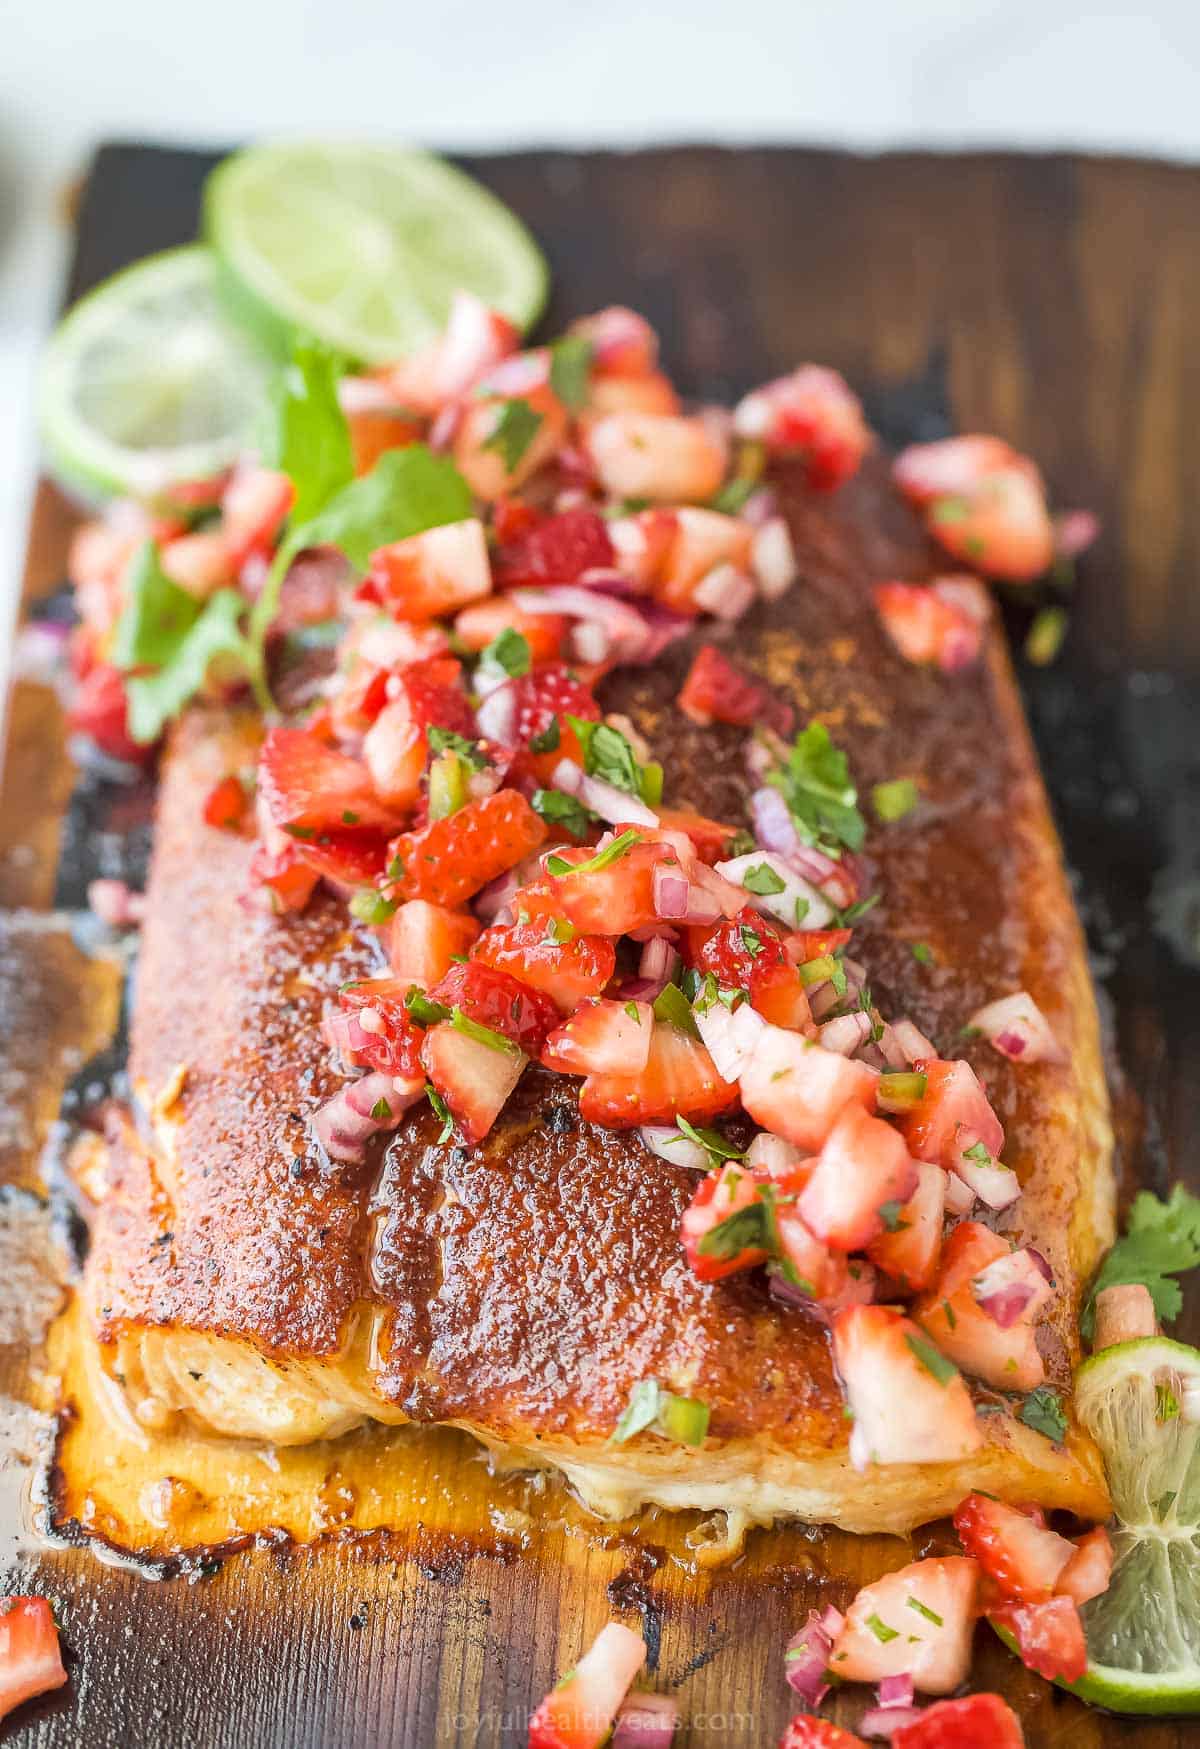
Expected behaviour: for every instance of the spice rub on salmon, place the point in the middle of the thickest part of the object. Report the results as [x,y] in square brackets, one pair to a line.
[528,1284]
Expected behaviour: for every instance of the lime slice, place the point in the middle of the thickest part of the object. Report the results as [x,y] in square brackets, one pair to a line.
[1143,1633]
[364,245]
[145,384]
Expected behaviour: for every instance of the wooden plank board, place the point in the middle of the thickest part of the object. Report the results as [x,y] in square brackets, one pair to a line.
[1052,299]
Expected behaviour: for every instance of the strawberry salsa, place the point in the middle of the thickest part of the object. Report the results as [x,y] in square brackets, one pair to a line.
[424,579]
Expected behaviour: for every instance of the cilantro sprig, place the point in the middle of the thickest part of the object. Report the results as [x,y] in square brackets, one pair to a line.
[822,800]
[608,755]
[1162,1239]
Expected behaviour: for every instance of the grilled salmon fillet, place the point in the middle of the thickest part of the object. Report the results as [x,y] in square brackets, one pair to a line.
[520,1289]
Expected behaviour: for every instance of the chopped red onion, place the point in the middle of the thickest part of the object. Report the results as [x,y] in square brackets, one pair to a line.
[845,1034]
[615,805]
[774,559]
[658,960]
[39,652]
[994,1184]
[345,1123]
[646,1721]
[673,1146]
[796,904]
[729,897]
[365,395]
[497,715]
[960,1198]
[571,498]
[772,1155]
[884,1721]
[730,1037]
[725,592]
[489,901]
[638,989]
[773,825]
[807,1654]
[116,904]
[1041,1262]
[912,1043]
[678,900]
[1018,1029]
[609,581]
[896,1691]
[761,506]
[1011,1288]
[1074,532]
[445,427]
[889,1048]
[626,631]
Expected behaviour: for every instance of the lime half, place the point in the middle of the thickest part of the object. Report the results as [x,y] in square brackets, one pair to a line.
[145,384]
[1140,1402]
[364,245]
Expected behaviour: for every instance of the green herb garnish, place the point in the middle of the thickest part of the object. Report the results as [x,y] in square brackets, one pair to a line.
[816,785]
[513,432]
[891,801]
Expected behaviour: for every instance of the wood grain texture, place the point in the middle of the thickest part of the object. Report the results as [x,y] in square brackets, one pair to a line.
[1051,299]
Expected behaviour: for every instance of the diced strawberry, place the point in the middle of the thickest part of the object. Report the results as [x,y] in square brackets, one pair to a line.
[578,1714]
[951,467]
[388,1039]
[433,691]
[803,945]
[558,549]
[425,939]
[473,1078]
[500,1002]
[814,1268]
[570,972]
[225,804]
[358,700]
[909,1406]
[1005,1357]
[308,787]
[375,430]
[199,563]
[953,1102]
[345,859]
[798,1090]
[718,691]
[547,696]
[994,515]
[254,507]
[30,1658]
[474,341]
[862,1167]
[449,860]
[812,413]
[99,709]
[779,996]
[809,1732]
[644,543]
[666,459]
[713,1248]
[930,626]
[282,878]
[654,393]
[395,751]
[623,343]
[480,624]
[1088,1572]
[916,1622]
[1049,1637]
[977,1721]
[1024,1558]
[602,1038]
[480,452]
[734,950]
[709,837]
[909,1250]
[431,574]
[680,1078]
[701,542]
[606,901]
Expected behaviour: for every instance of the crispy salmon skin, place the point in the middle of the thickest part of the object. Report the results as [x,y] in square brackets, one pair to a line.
[523,1287]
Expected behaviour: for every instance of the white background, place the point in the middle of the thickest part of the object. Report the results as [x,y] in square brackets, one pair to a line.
[1028,73]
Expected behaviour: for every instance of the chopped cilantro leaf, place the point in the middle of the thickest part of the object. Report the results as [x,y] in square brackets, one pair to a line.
[1045,637]
[441,1110]
[815,783]
[549,739]
[369,905]
[447,741]
[483,1035]
[931,1358]
[1043,1411]
[650,1407]
[763,879]
[608,755]
[673,1006]
[307,436]
[1162,1239]
[514,431]
[423,1009]
[570,367]
[508,651]
[711,1140]
[731,499]
[623,842]
[889,1214]
[564,810]
[381,1111]
[883,1633]
[921,1609]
